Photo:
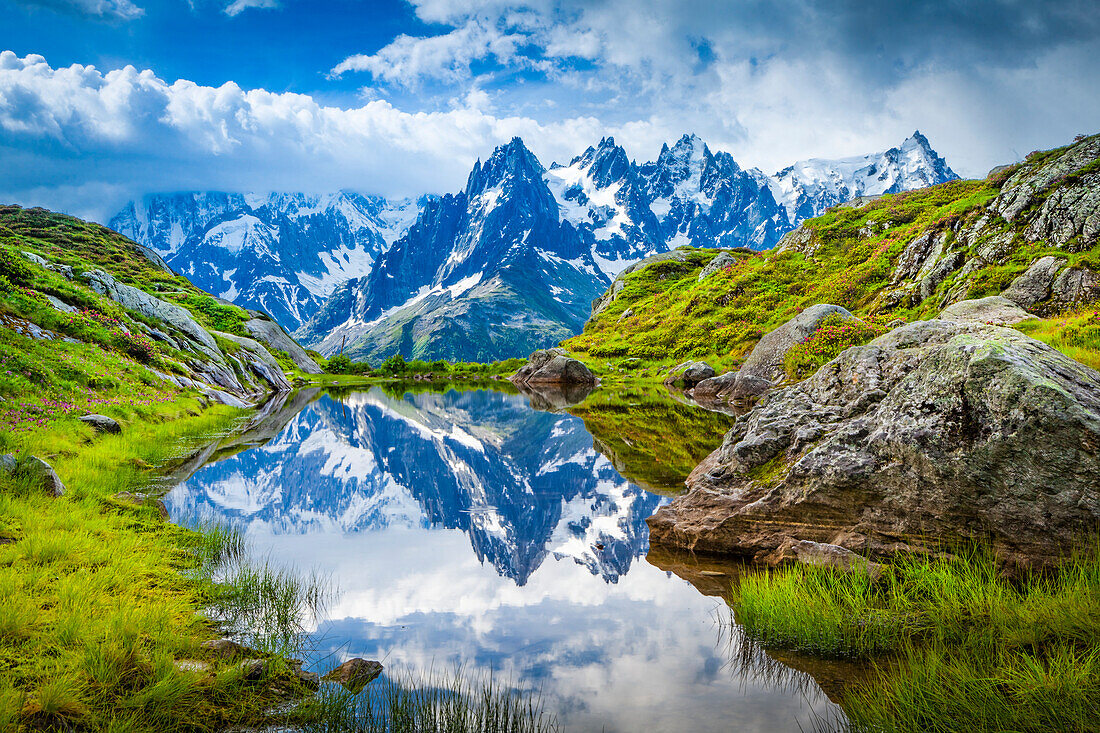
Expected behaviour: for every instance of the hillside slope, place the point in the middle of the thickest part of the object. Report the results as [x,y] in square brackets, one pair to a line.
[89,318]
[1028,231]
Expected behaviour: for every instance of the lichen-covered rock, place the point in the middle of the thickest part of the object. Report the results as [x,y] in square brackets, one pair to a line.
[271,334]
[995,309]
[1033,287]
[1073,286]
[763,368]
[935,432]
[553,366]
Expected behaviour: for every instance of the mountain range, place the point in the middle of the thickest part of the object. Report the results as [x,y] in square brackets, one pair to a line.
[509,264]
[283,253]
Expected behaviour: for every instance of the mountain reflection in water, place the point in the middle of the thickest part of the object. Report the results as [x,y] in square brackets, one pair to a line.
[468,528]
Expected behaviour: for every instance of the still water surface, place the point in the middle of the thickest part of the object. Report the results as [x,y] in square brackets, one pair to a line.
[470,528]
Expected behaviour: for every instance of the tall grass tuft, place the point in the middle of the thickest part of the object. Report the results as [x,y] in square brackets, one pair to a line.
[957,646]
[405,703]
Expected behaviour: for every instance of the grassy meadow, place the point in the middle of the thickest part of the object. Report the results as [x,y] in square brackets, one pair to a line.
[955,644]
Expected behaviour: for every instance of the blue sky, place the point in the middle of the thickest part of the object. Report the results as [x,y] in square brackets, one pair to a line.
[103,100]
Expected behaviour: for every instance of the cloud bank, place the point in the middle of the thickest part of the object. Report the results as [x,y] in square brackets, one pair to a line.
[987,81]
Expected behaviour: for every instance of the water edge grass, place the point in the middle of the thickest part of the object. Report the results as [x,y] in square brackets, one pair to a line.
[956,645]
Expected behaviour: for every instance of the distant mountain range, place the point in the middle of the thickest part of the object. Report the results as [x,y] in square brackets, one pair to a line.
[509,264]
[283,253]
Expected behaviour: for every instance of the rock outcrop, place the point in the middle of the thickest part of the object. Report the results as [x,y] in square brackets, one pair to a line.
[271,334]
[935,432]
[996,310]
[553,366]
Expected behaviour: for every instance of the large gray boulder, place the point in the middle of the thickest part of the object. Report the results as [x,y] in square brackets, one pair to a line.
[715,388]
[995,309]
[1033,287]
[763,369]
[102,423]
[35,470]
[553,366]
[937,432]
[272,334]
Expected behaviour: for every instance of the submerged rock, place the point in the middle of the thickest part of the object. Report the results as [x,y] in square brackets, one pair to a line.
[822,555]
[355,674]
[138,499]
[935,432]
[102,424]
[553,366]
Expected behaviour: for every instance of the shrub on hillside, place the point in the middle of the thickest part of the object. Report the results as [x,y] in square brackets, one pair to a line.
[833,336]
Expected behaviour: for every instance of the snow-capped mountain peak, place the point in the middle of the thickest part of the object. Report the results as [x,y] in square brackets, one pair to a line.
[282,252]
[808,187]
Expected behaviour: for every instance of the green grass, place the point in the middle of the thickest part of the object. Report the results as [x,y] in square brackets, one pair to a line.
[1076,334]
[664,315]
[957,645]
[100,597]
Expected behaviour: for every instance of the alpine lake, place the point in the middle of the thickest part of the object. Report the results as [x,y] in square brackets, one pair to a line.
[487,532]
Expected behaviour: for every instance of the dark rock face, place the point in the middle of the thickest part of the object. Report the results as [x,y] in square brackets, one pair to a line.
[102,424]
[552,366]
[934,432]
[763,368]
[355,674]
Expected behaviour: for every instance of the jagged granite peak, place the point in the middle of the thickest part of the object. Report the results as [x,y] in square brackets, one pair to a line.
[808,187]
[281,252]
[487,273]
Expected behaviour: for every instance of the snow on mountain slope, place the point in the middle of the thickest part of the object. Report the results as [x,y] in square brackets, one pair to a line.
[808,187]
[284,253]
[490,272]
